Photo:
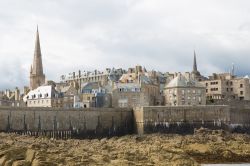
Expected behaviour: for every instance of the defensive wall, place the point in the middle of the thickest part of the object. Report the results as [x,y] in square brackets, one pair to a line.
[107,122]
[77,123]
[184,119]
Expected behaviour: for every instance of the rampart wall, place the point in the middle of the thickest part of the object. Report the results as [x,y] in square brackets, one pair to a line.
[106,122]
[91,122]
[184,119]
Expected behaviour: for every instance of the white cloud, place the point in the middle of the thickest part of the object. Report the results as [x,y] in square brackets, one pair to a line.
[160,35]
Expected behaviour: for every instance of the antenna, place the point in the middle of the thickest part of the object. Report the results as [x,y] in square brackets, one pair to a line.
[232,70]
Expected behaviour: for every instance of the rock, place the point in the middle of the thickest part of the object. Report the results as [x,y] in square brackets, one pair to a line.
[21,163]
[36,162]
[30,155]
[153,149]
[3,159]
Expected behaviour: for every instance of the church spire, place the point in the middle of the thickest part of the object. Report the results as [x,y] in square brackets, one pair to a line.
[195,71]
[37,78]
[37,67]
[194,63]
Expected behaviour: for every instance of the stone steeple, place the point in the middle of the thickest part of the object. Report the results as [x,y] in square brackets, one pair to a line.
[37,78]
[37,61]
[195,71]
[194,63]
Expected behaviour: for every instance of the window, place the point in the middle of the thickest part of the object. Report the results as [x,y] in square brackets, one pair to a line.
[241,85]
[232,89]
[193,91]
[206,90]
[206,84]
[231,83]
[241,92]
[214,89]
[183,92]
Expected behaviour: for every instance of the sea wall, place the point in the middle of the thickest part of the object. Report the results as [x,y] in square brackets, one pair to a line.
[183,119]
[107,122]
[82,123]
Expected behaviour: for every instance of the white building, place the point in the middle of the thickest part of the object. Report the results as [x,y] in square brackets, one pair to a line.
[43,96]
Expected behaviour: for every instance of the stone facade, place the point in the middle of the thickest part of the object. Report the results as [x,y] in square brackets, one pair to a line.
[136,88]
[102,77]
[183,91]
[11,98]
[226,86]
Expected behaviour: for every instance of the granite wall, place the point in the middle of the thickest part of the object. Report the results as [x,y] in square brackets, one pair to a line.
[91,122]
[184,119]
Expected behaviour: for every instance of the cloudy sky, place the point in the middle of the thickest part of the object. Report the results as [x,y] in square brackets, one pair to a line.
[89,34]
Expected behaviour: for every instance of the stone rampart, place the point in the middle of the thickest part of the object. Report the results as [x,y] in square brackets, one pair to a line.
[91,122]
[184,119]
[105,122]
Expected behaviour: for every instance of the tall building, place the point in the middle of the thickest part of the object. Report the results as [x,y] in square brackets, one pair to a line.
[37,78]
[225,86]
[184,91]
[136,88]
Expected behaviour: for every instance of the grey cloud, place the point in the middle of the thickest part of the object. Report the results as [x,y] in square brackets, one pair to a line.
[91,34]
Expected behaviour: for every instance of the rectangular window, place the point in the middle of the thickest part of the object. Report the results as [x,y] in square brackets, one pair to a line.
[241,85]
[241,92]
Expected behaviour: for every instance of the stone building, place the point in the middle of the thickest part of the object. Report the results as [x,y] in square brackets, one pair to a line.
[37,77]
[102,77]
[136,88]
[44,96]
[184,91]
[68,92]
[93,95]
[227,86]
[11,98]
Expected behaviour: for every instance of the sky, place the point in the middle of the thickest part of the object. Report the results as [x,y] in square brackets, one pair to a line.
[97,34]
